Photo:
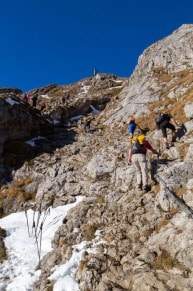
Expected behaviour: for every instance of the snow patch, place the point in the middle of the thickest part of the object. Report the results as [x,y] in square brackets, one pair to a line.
[11,101]
[32,142]
[19,272]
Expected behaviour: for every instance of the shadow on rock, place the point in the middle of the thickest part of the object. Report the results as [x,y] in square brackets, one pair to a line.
[155,166]
[180,132]
[16,152]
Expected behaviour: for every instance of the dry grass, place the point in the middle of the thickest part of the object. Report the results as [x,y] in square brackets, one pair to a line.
[101,199]
[173,211]
[180,191]
[175,106]
[156,188]
[164,222]
[161,224]
[181,77]
[82,266]
[62,242]
[2,247]
[89,230]
[146,233]
[166,262]
[183,150]
[56,92]
[17,191]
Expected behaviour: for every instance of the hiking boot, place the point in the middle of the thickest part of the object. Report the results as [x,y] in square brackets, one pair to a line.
[147,188]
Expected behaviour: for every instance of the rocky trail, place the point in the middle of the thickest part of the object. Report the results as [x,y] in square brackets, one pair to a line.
[143,241]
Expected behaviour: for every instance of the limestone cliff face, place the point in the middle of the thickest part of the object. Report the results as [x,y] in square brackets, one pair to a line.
[172,54]
[171,57]
[143,241]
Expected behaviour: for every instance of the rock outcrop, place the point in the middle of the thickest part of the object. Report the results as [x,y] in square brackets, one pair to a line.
[8,90]
[17,120]
[158,75]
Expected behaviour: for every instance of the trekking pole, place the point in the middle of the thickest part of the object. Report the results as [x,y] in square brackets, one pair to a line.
[36,237]
[33,222]
[41,230]
[37,246]
[27,220]
[39,214]
[47,212]
[38,220]
[40,248]
[44,219]
[180,201]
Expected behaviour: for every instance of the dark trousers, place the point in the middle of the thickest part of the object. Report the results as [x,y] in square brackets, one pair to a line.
[164,125]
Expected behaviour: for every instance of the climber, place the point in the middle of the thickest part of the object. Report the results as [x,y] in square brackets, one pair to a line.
[132,126]
[26,97]
[65,97]
[87,125]
[34,101]
[164,121]
[138,147]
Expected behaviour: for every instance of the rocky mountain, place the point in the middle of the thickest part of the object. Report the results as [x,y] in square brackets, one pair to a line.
[144,240]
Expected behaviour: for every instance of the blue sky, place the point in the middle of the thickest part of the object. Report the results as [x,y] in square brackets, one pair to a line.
[62,41]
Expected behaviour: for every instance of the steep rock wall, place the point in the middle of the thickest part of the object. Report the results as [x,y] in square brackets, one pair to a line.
[168,56]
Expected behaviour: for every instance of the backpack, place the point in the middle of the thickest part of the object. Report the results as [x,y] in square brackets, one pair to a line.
[137,144]
[162,117]
[159,118]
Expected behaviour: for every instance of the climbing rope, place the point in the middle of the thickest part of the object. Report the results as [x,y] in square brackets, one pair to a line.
[39,235]
[26,215]
[180,202]
[46,212]
[33,222]
[38,249]
[39,215]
